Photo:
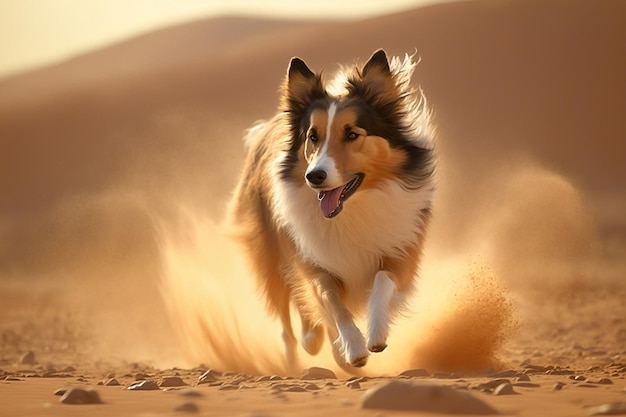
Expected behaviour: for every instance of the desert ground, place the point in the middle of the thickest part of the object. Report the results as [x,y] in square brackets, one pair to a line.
[116,165]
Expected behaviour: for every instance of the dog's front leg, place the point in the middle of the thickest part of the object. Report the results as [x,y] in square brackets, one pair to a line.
[350,341]
[380,311]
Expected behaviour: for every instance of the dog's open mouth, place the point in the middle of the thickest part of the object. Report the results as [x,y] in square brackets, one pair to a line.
[331,201]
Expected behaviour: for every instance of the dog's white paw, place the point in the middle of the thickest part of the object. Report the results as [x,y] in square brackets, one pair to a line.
[352,345]
[379,311]
[377,337]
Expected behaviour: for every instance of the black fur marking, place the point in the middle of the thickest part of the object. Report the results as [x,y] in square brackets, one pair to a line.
[419,165]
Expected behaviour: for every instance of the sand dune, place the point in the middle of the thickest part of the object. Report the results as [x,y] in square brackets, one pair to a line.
[99,152]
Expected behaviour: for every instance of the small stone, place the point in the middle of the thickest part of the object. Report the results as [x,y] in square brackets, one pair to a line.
[353,384]
[60,391]
[112,382]
[147,385]
[188,407]
[28,359]
[494,383]
[610,409]
[558,386]
[263,378]
[80,396]
[504,389]
[505,374]
[172,381]
[208,376]
[317,373]
[295,388]
[415,373]
[409,396]
[311,387]
[604,381]
[522,378]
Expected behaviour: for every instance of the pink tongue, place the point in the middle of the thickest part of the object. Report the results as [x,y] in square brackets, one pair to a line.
[330,201]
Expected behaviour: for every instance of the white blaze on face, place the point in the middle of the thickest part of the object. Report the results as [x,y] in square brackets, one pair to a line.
[323,161]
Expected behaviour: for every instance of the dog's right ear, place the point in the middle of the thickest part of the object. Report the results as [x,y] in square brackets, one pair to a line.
[302,86]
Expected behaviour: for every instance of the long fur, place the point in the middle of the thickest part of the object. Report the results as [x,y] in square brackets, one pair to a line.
[367,127]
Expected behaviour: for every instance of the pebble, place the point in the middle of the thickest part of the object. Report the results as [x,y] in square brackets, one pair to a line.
[505,374]
[147,385]
[208,376]
[318,373]
[353,384]
[604,381]
[523,378]
[610,409]
[504,389]
[311,387]
[415,373]
[80,396]
[494,383]
[172,381]
[294,388]
[410,396]
[28,359]
[112,382]
[188,407]
[558,386]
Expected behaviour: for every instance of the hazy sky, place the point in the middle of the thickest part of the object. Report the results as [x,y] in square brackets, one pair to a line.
[39,32]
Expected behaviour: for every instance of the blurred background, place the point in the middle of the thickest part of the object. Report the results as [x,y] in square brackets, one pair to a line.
[115,117]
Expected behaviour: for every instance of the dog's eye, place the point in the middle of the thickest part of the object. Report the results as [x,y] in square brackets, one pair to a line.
[313,137]
[352,136]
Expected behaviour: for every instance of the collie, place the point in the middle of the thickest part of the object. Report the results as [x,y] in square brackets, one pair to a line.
[333,203]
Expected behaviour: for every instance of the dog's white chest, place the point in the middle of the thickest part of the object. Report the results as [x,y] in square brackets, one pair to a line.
[374,223]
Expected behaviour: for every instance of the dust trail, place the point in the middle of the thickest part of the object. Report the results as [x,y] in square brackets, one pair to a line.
[524,223]
[222,322]
[213,302]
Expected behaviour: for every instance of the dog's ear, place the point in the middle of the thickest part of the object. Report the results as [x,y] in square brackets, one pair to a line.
[375,82]
[377,63]
[302,86]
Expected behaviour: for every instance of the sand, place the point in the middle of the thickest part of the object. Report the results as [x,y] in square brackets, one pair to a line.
[115,168]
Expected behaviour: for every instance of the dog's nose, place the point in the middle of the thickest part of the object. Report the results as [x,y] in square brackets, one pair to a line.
[316,177]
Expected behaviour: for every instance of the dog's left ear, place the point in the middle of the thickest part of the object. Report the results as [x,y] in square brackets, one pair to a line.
[377,63]
[375,82]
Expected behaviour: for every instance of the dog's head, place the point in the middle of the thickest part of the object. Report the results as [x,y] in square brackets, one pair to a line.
[353,140]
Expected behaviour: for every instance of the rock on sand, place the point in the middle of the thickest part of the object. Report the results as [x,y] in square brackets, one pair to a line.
[409,396]
[80,396]
[318,373]
[147,385]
